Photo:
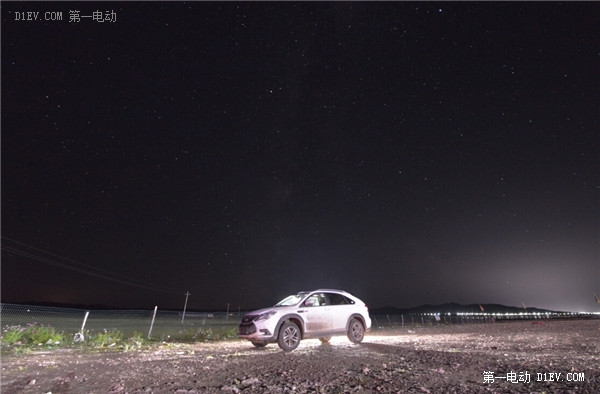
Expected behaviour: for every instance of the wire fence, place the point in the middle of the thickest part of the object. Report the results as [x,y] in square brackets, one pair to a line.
[163,325]
[159,324]
[426,320]
[464,318]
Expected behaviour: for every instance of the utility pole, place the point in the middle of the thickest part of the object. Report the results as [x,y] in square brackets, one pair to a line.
[187,294]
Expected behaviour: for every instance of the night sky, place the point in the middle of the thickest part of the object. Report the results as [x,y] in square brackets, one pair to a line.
[409,153]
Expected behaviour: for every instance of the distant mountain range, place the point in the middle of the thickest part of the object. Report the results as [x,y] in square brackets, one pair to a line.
[455,308]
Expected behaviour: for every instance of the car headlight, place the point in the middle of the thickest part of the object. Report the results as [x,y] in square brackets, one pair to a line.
[264,316]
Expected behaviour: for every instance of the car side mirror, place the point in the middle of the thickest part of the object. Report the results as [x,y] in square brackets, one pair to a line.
[308,303]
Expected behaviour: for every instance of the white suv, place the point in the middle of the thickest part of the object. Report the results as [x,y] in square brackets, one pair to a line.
[319,314]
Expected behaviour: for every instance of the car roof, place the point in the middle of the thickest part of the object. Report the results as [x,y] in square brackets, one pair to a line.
[332,290]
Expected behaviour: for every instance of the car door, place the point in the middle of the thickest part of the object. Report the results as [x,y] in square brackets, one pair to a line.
[317,315]
[341,309]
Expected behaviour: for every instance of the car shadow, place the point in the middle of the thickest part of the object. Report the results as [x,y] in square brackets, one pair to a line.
[260,349]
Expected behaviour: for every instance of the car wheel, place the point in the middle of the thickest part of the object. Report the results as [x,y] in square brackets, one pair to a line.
[289,336]
[356,331]
[259,344]
[325,339]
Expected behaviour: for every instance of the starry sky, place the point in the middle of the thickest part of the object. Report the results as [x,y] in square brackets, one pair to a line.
[409,153]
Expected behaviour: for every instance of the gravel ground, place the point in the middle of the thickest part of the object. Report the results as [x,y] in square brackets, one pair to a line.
[515,357]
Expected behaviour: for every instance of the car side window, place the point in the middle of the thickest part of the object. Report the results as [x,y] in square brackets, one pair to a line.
[337,299]
[313,300]
[318,299]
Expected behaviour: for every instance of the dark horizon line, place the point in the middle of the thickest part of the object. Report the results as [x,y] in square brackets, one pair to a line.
[447,307]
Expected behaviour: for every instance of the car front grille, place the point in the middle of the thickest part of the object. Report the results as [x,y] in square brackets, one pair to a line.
[247,329]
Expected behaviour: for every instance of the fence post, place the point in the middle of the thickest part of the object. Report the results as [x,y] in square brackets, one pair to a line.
[84,320]
[79,335]
[187,294]
[402,320]
[152,324]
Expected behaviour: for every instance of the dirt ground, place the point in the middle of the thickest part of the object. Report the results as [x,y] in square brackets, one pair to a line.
[515,357]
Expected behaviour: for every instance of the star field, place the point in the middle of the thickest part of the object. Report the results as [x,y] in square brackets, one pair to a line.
[409,153]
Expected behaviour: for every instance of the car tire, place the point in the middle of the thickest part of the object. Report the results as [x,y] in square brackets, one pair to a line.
[259,344]
[289,336]
[356,331]
[325,339]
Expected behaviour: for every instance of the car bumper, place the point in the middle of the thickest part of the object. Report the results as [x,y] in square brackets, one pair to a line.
[256,333]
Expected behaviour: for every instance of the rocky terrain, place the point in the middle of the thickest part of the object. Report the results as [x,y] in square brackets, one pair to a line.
[517,357]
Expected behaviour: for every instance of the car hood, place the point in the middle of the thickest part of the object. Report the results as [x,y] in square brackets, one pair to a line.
[273,308]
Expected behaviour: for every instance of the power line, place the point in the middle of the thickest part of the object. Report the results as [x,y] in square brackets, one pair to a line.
[58,256]
[80,270]
[83,268]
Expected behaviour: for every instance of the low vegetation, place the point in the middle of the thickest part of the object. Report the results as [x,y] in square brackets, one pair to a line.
[24,339]
[206,334]
[30,337]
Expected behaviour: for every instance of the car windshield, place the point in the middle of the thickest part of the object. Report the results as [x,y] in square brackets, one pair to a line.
[291,300]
